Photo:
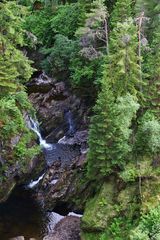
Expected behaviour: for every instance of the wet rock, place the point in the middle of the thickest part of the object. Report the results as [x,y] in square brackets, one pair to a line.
[18,238]
[61,113]
[52,106]
[62,185]
[42,84]
[67,229]
[64,154]
[78,138]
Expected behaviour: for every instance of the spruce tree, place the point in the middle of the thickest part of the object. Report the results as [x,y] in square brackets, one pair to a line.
[14,66]
[110,132]
[123,69]
[152,67]
[121,11]
[116,105]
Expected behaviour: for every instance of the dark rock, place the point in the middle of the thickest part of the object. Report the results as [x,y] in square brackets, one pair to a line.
[51,108]
[62,113]
[67,229]
[63,153]
[62,184]
[41,84]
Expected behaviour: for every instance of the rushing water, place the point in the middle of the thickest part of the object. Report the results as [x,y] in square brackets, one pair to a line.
[21,215]
[34,126]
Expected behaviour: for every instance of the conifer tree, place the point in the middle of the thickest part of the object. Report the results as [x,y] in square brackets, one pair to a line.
[14,66]
[152,67]
[121,11]
[116,105]
[123,69]
[110,132]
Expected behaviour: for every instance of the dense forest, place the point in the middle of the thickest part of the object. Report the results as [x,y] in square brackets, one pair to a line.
[108,53]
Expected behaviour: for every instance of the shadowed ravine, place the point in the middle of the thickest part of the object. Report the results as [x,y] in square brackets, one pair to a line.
[21,214]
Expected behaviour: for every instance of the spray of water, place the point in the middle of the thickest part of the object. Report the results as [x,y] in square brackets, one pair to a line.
[32,184]
[34,126]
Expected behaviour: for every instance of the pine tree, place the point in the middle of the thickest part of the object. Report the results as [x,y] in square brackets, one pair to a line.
[122,10]
[123,69]
[14,66]
[116,105]
[152,67]
[110,132]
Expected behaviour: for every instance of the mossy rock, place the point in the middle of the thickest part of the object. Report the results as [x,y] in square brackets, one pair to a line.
[127,200]
[100,209]
[150,193]
[91,236]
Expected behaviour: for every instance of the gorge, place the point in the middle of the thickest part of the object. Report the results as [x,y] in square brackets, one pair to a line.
[79,120]
[22,213]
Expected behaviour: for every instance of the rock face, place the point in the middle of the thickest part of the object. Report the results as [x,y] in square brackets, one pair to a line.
[62,186]
[56,105]
[14,170]
[63,118]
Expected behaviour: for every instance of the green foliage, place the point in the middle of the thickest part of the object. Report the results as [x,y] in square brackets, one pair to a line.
[23,153]
[85,72]
[130,173]
[38,23]
[111,123]
[58,57]
[123,59]
[11,22]
[148,135]
[67,19]
[152,68]
[15,70]
[14,66]
[121,12]
[11,118]
[85,66]
[149,226]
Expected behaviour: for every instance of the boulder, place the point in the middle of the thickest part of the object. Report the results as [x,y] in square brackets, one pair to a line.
[67,229]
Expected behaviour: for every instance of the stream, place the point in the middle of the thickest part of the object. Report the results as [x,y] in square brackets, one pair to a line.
[21,214]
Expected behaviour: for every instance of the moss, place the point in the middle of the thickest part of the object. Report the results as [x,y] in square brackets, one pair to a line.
[5,189]
[150,193]
[100,210]
[91,236]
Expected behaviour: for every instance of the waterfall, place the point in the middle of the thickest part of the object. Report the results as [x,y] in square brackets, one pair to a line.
[67,139]
[34,126]
[70,122]
[32,184]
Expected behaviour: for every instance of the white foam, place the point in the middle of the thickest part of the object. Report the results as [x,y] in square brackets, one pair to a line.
[33,183]
[75,214]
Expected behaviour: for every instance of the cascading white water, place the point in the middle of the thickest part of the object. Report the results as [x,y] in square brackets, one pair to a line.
[32,184]
[35,127]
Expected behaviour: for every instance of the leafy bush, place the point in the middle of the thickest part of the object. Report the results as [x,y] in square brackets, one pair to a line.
[67,19]
[58,57]
[38,23]
[149,226]
[85,72]
[148,135]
